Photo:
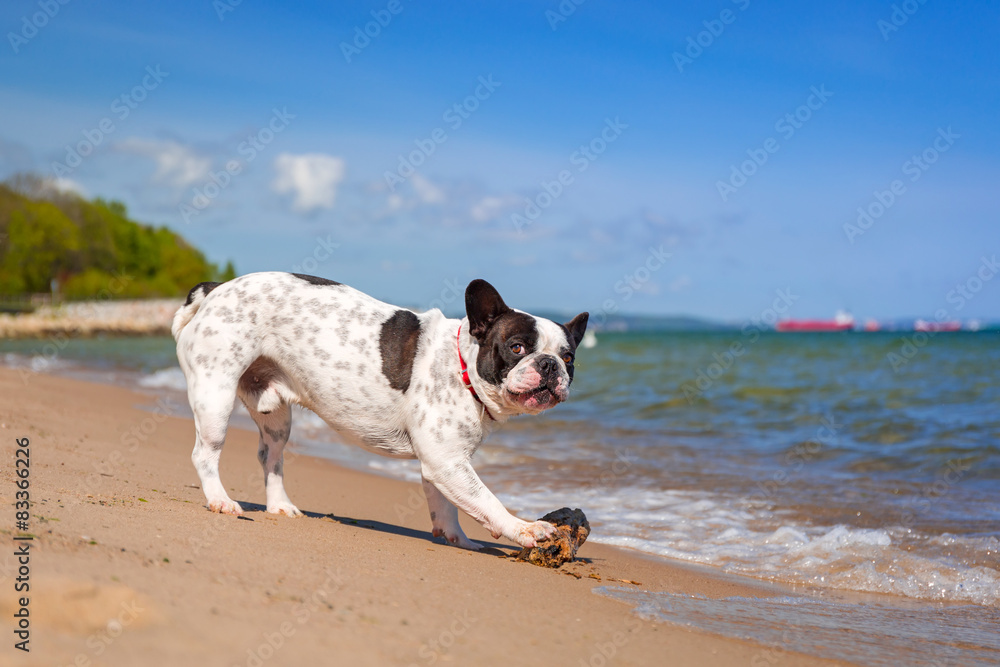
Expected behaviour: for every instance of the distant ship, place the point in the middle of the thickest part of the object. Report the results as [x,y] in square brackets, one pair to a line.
[924,325]
[841,322]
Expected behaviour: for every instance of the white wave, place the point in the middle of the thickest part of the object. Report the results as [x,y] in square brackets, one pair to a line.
[405,470]
[165,378]
[728,532]
[311,423]
[36,363]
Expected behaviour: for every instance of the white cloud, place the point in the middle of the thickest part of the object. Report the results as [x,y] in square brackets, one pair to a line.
[312,178]
[35,186]
[426,191]
[69,185]
[491,207]
[176,164]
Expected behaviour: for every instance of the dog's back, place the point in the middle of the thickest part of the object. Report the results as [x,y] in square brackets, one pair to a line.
[273,338]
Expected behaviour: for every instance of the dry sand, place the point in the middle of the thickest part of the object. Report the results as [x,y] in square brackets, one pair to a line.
[129,568]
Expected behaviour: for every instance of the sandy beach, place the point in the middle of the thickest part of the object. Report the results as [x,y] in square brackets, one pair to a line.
[129,568]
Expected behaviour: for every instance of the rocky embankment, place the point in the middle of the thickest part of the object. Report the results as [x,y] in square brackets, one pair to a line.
[145,317]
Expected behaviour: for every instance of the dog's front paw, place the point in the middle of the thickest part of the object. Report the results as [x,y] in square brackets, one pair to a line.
[531,534]
[287,509]
[225,506]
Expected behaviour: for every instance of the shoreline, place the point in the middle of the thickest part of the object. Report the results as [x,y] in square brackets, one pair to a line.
[121,522]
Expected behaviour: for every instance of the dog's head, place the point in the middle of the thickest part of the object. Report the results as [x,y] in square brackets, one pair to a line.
[527,361]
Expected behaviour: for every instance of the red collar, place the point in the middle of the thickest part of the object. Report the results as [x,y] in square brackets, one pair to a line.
[465,375]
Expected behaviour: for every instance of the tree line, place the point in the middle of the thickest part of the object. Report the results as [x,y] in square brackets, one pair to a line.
[53,240]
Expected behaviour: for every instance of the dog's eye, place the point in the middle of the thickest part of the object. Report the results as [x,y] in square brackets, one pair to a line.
[568,358]
[517,348]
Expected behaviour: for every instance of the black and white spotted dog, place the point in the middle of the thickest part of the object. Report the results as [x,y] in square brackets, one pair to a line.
[398,383]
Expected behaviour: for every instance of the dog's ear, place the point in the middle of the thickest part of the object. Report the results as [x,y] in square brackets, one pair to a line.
[483,305]
[577,327]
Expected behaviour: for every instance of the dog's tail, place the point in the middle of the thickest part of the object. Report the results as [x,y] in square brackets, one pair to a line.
[190,307]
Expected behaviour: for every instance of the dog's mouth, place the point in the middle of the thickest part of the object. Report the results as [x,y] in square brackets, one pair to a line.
[540,398]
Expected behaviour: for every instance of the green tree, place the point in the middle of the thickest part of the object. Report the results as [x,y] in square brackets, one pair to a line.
[91,247]
[42,244]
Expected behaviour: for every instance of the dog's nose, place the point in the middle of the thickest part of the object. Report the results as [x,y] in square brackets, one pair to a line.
[547,367]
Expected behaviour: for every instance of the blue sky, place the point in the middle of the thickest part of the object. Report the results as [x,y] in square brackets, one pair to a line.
[642,109]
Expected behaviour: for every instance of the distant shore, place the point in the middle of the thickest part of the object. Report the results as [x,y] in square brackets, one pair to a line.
[152,317]
[135,317]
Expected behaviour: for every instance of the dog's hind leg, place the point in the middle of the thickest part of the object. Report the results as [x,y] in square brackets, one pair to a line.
[444,518]
[264,390]
[275,425]
[212,406]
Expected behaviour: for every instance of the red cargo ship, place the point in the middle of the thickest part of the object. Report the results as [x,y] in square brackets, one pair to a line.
[842,322]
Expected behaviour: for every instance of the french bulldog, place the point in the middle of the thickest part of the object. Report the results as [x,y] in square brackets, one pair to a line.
[396,382]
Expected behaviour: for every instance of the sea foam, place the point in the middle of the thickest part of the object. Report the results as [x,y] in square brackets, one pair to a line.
[730,533]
